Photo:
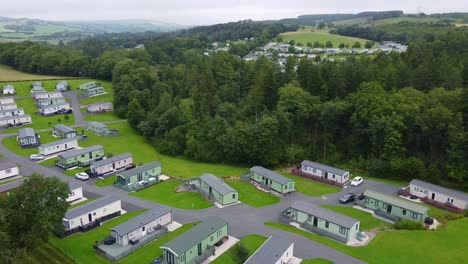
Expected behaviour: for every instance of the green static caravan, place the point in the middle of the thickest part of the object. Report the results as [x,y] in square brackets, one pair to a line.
[98,128]
[322,221]
[140,173]
[271,180]
[216,189]
[80,157]
[394,208]
[86,86]
[64,131]
[197,244]
[94,91]
[51,101]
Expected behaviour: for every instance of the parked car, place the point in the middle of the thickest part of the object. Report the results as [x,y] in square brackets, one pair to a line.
[357,181]
[36,157]
[82,176]
[143,182]
[361,196]
[109,240]
[348,198]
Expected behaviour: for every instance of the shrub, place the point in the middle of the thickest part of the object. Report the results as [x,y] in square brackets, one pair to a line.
[408,225]
[453,216]
[241,253]
[466,213]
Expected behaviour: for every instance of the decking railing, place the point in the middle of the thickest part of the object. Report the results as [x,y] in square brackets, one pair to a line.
[84,228]
[447,206]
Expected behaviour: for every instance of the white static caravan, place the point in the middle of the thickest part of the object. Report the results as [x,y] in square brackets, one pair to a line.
[141,225]
[8,169]
[15,120]
[100,107]
[8,106]
[111,164]
[11,112]
[9,89]
[90,212]
[439,194]
[76,192]
[58,146]
[6,100]
[324,171]
[53,109]
[47,95]
[62,86]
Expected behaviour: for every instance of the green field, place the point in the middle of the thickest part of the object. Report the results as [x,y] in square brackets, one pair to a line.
[352,21]
[317,261]
[79,246]
[311,187]
[251,242]
[366,219]
[102,117]
[395,20]
[309,35]
[405,247]
[165,193]
[250,195]
[10,74]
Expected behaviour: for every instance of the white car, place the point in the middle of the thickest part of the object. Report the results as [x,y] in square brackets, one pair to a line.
[357,181]
[36,157]
[82,176]
[143,182]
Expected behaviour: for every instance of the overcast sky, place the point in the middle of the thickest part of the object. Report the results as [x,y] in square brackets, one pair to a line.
[197,12]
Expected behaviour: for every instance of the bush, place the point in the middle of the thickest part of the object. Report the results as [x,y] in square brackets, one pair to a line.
[453,216]
[241,253]
[408,225]
[466,213]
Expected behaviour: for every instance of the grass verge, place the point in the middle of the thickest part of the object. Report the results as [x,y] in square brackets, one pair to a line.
[250,195]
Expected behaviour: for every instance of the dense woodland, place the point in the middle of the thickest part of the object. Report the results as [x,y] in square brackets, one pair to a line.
[390,115]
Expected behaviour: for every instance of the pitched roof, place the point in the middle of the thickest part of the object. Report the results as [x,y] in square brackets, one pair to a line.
[440,189]
[99,104]
[50,99]
[111,160]
[89,207]
[94,88]
[271,175]
[74,186]
[325,214]
[53,105]
[10,104]
[58,142]
[96,124]
[73,153]
[270,251]
[396,201]
[11,110]
[216,183]
[192,237]
[141,220]
[11,185]
[26,132]
[139,169]
[7,165]
[14,117]
[323,167]
[64,128]
[8,86]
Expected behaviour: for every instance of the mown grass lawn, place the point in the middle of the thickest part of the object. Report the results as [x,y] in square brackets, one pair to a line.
[143,152]
[106,181]
[81,203]
[447,245]
[165,193]
[79,246]
[366,219]
[102,117]
[48,254]
[48,162]
[308,34]
[317,261]
[311,187]
[250,195]
[251,242]
[13,145]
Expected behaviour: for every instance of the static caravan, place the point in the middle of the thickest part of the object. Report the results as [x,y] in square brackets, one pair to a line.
[62,86]
[37,84]
[50,101]
[276,250]
[438,194]
[115,163]
[271,180]
[27,138]
[11,112]
[140,173]
[6,100]
[218,190]
[322,221]
[47,95]
[151,221]
[49,110]
[9,89]
[15,120]
[8,169]
[80,157]
[324,171]
[86,86]
[58,146]
[94,91]
[7,188]
[394,208]
[100,107]
[8,106]
[76,192]
[98,128]
[196,244]
[37,89]
[89,213]
[64,131]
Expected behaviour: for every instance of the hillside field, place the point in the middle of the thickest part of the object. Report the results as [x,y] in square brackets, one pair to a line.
[10,74]
[308,34]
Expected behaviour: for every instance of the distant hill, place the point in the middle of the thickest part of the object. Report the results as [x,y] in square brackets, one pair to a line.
[17,29]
